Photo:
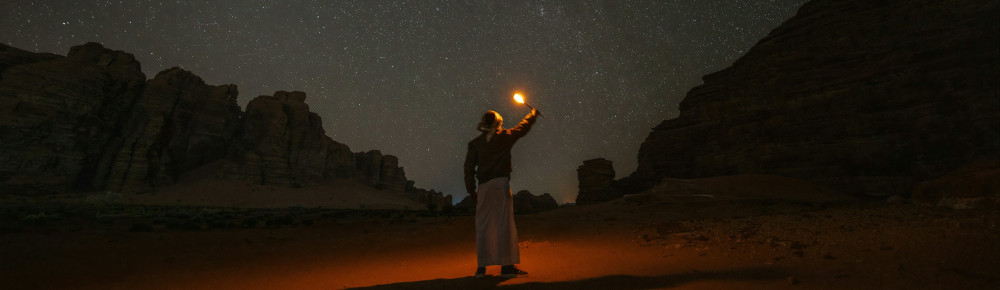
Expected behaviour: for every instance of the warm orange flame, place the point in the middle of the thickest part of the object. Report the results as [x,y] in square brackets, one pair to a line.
[519,98]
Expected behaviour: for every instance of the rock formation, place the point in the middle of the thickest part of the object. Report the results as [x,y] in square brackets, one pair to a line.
[865,97]
[282,143]
[91,121]
[433,199]
[391,176]
[179,123]
[525,202]
[596,177]
[11,56]
[466,204]
[59,114]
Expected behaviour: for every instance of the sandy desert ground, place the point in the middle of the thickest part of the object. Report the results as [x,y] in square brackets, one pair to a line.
[721,233]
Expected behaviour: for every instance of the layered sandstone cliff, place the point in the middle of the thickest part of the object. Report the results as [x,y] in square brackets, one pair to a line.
[58,115]
[177,124]
[865,97]
[91,121]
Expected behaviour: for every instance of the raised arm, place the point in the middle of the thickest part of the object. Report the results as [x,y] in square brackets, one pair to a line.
[525,125]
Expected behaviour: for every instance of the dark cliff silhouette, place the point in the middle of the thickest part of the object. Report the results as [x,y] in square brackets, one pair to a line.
[869,98]
[91,121]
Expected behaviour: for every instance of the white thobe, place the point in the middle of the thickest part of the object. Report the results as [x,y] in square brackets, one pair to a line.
[496,234]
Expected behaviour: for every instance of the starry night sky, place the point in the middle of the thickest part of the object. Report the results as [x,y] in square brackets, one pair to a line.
[412,78]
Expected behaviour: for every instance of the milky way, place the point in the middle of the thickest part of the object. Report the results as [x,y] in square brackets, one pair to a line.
[411,78]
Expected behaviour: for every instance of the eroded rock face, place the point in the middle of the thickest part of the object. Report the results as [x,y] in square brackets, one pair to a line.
[178,124]
[283,143]
[91,121]
[104,126]
[525,202]
[866,97]
[392,176]
[380,171]
[369,165]
[597,178]
[58,115]
[434,200]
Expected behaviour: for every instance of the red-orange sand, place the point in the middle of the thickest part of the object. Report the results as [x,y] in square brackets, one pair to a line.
[636,243]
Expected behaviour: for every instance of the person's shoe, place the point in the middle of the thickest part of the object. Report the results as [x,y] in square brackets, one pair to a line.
[480,272]
[511,271]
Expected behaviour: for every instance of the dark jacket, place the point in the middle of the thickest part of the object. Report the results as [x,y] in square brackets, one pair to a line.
[489,160]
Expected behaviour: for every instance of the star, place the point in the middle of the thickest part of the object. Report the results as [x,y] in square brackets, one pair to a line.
[412,79]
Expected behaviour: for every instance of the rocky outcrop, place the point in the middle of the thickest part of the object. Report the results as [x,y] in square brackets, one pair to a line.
[525,202]
[58,115]
[283,143]
[434,200]
[466,204]
[865,97]
[392,176]
[369,166]
[179,123]
[596,177]
[91,121]
[11,56]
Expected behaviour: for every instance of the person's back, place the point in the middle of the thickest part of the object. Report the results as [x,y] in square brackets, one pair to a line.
[488,160]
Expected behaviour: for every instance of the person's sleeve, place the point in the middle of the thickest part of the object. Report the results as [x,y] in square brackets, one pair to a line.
[525,125]
[470,170]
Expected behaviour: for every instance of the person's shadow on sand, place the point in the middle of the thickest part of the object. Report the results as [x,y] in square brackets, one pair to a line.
[606,282]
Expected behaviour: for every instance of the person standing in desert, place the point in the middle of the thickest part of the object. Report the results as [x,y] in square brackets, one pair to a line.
[488,161]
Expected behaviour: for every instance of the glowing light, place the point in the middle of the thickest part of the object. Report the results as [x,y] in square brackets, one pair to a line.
[519,98]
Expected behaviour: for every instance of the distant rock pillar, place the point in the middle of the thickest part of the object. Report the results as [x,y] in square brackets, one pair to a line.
[596,178]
